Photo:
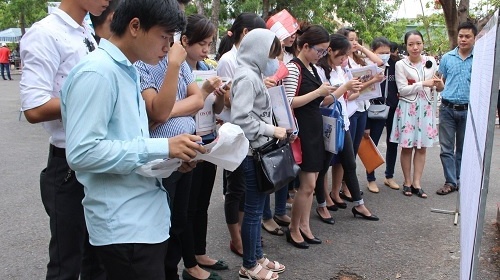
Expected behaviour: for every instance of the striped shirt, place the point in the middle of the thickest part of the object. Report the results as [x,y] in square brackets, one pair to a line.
[152,77]
[291,82]
[457,74]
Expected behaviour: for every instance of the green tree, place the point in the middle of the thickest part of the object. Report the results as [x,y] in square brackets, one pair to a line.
[21,13]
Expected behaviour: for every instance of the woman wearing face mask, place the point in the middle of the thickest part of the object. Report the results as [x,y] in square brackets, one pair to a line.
[235,187]
[381,47]
[252,111]
[305,92]
[330,70]
[414,128]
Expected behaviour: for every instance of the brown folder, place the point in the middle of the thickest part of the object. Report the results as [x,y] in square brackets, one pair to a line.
[369,154]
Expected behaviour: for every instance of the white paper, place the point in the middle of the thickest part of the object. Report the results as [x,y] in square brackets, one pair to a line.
[351,106]
[473,169]
[281,108]
[365,74]
[329,133]
[201,76]
[205,118]
[227,151]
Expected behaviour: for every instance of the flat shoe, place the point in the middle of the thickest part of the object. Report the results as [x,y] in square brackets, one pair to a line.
[280,222]
[372,186]
[187,276]
[277,231]
[219,265]
[391,184]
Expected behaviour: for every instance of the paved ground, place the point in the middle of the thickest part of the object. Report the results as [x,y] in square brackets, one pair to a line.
[409,242]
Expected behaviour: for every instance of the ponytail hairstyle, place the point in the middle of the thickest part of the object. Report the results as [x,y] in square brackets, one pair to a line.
[337,43]
[234,35]
[311,35]
[198,29]
[345,31]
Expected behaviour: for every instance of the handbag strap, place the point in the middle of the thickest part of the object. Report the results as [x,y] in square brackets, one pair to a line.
[386,86]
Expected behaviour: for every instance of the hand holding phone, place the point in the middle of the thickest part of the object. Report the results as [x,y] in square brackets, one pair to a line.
[226,81]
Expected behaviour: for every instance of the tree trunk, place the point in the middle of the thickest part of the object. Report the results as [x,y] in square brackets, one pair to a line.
[22,22]
[451,18]
[215,20]
[265,9]
[199,7]
[463,11]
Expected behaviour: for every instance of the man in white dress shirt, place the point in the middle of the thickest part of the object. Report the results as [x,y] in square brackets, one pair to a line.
[49,50]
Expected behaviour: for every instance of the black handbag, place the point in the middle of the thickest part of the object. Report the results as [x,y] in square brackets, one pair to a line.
[275,166]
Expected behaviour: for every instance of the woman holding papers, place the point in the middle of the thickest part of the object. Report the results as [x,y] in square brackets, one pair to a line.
[330,71]
[414,128]
[196,40]
[252,111]
[305,92]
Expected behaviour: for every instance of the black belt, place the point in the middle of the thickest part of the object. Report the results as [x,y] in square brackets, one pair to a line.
[457,107]
[57,152]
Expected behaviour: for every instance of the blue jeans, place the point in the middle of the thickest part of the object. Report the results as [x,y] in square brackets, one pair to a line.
[376,128]
[254,206]
[5,66]
[279,204]
[451,131]
[357,129]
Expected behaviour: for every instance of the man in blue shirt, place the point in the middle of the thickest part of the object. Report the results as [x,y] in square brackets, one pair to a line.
[456,68]
[106,125]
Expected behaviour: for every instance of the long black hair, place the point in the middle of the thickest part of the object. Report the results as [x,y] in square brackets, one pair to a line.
[235,33]
[338,43]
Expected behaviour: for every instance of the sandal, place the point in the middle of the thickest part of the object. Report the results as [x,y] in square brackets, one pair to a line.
[253,274]
[277,267]
[446,189]
[419,192]
[407,190]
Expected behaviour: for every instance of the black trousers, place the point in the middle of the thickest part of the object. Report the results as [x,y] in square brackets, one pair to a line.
[201,190]
[69,250]
[133,261]
[235,195]
[178,186]
[348,161]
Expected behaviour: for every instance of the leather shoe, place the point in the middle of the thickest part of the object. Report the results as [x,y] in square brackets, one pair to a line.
[219,265]
[391,183]
[330,220]
[313,240]
[372,186]
[289,239]
[187,276]
[341,205]
[370,218]
[280,222]
[234,250]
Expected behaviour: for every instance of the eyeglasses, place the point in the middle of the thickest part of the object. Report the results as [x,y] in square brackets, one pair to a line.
[321,52]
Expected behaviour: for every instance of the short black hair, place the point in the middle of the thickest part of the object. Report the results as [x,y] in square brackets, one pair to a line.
[184,2]
[99,20]
[198,28]
[380,42]
[467,25]
[162,13]
[394,47]
[275,48]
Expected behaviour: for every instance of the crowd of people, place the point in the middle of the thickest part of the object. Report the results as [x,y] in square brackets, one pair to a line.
[126,95]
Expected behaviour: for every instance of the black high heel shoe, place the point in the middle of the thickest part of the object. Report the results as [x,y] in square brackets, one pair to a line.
[289,239]
[329,221]
[313,240]
[370,218]
[341,205]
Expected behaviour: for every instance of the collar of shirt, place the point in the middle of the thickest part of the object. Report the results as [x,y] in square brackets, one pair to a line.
[117,55]
[66,18]
[455,53]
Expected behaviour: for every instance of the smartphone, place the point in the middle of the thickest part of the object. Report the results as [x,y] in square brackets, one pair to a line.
[225,83]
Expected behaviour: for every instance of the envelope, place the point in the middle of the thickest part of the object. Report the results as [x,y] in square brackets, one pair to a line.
[369,154]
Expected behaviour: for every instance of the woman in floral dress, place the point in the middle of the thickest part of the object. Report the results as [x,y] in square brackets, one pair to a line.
[414,128]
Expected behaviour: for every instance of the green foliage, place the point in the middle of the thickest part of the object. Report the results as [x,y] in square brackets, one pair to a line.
[10,16]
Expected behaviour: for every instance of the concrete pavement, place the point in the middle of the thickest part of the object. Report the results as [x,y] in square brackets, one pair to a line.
[409,242]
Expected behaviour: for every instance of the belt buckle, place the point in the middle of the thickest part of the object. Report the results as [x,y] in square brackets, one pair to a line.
[456,106]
